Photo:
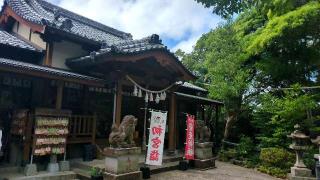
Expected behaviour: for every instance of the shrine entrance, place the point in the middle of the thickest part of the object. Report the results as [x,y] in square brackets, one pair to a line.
[146,77]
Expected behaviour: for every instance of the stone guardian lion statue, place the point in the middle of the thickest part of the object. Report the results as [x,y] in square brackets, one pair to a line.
[122,136]
[203,133]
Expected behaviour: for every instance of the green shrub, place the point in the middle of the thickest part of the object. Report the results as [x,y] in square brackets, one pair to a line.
[277,157]
[273,171]
[246,147]
[252,161]
[308,157]
[226,155]
[276,161]
[94,171]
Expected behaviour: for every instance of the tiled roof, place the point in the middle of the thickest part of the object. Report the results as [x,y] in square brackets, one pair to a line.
[192,86]
[44,13]
[11,40]
[199,98]
[42,69]
[126,47]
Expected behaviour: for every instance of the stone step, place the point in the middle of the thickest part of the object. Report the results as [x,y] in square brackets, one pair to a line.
[82,174]
[169,166]
[172,159]
[88,165]
[67,175]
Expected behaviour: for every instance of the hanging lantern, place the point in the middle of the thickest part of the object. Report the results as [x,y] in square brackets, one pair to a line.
[157,98]
[135,91]
[146,98]
[140,93]
[164,95]
[151,97]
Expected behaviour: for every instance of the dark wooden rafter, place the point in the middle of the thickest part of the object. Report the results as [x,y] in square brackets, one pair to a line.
[49,76]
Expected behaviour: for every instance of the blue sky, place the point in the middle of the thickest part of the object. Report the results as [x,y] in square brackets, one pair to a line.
[178,22]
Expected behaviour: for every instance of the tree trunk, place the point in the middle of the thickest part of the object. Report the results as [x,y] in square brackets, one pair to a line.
[231,119]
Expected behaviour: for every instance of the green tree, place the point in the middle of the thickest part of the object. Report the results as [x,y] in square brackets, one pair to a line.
[275,115]
[271,44]
[227,8]
[219,60]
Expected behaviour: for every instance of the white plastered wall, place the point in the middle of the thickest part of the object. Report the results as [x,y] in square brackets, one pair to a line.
[63,50]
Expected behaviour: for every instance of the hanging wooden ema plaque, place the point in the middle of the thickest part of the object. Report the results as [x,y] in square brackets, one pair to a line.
[156,138]
[51,131]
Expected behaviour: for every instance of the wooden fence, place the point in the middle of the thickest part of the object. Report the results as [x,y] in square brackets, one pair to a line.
[82,129]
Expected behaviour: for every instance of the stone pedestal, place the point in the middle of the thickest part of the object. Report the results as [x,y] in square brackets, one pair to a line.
[204,164]
[30,170]
[300,174]
[122,163]
[203,150]
[203,156]
[64,166]
[53,166]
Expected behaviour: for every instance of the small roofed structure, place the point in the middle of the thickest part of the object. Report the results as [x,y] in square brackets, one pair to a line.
[146,57]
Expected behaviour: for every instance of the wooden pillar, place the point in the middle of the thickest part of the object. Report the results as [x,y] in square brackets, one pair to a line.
[216,125]
[49,53]
[59,94]
[118,103]
[172,123]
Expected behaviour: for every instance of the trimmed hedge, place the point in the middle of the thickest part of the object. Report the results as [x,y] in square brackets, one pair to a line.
[276,161]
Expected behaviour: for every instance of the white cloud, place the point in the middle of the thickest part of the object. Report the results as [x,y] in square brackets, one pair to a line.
[187,45]
[182,21]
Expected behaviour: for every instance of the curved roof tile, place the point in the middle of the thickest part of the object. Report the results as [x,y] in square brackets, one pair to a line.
[44,13]
[11,40]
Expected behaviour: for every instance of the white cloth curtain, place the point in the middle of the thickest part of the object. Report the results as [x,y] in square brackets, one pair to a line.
[156,138]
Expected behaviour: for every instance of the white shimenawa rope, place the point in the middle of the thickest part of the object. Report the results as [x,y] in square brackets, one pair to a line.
[147,90]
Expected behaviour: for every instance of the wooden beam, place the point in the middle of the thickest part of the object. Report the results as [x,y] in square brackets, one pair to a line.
[49,53]
[172,123]
[216,130]
[118,103]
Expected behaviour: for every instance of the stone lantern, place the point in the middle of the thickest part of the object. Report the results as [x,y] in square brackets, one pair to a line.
[299,145]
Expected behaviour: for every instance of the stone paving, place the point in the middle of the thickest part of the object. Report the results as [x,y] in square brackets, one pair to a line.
[224,171]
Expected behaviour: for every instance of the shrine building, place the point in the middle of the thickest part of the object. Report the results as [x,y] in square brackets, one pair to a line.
[55,63]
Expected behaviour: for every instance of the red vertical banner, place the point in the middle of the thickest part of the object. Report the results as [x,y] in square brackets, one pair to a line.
[189,148]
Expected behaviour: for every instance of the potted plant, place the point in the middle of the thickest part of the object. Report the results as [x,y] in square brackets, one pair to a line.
[96,173]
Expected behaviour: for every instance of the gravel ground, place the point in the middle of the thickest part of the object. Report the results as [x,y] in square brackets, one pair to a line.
[224,171]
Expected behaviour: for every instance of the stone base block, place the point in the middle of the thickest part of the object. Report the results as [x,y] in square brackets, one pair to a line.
[30,170]
[53,167]
[137,175]
[300,178]
[204,164]
[64,166]
[122,160]
[300,174]
[203,150]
